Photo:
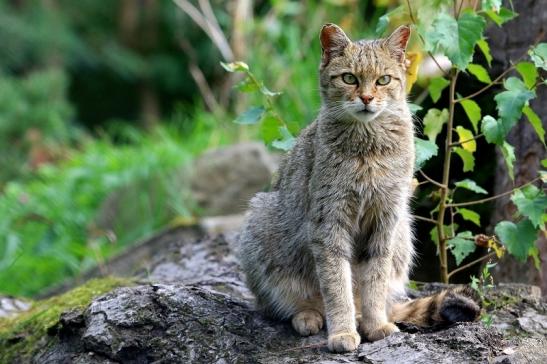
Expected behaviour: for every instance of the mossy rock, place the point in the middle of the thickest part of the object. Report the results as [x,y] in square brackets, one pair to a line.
[24,334]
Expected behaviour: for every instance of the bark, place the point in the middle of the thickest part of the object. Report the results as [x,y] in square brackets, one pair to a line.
[507,44]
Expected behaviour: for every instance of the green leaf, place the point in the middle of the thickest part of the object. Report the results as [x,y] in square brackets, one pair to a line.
[494,5]
[534,119]
[425,149]
[447,232]
[287,140]
[251,116]
[479,72]
[455,38]
[471,185]
[509,103]
[461,246]
[485,49]
[269,129]
[539,55]
[532,203]
[433,122]
[469,215]
[466,136]
[264,91]
[518,238]
[473,111]
[247,85]
[501,17]
[467,159]
[528,72]
[235,66]
[436,87]
[493,130]
[383,21]
[414,108]
[508,153]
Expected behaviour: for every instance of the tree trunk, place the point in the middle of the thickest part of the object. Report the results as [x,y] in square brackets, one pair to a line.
[508,44]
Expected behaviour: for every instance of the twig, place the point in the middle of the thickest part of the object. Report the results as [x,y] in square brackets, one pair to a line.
[475,202]
[455,144]
[431,180]
[465,266]
[417,217]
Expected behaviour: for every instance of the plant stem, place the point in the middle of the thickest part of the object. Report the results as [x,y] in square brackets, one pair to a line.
[455,144]
[426,219]
[446,177]
[465,266]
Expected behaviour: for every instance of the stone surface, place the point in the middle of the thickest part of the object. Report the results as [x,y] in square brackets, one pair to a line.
[191,306]
[224,180]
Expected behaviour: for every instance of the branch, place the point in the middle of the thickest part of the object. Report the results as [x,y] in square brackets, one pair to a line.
[455,144]
[417,217]
[475,202]
[431,180]
[465,266]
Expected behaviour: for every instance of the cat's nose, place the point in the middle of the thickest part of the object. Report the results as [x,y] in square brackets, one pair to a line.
[366,99]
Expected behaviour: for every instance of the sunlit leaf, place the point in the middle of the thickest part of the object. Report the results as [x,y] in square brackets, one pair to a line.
[235,66]
[479,72]
[485,49]
[466,136]
[433,122]
[436,87]
[471,185]
[425,149]
[532,203]
[528,72]
[415,59]
[455,38]
[473,111]
[467,159]
[461,246]
[494,5]
[534,119]
[469,215]
[251,116]
[518,238]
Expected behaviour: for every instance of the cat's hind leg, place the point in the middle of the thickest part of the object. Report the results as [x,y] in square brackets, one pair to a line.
[309,317]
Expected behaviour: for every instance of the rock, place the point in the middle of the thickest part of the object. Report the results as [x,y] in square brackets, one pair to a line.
[10,306]
[190,305]
[224,180]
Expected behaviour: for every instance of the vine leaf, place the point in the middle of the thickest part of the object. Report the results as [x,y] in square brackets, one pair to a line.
[433,122]
[455,38]
[473,111]
[532,203]
[461,246]
[471,186]
[436,87]
[518,238]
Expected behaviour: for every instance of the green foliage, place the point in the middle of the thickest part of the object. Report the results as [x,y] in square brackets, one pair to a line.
[532,203]
[436,87]
[519,238]
[425,150]
[433,123]
[509,103]
[479,72]
[471,186]
[538,54]
[461,245]
[473,111]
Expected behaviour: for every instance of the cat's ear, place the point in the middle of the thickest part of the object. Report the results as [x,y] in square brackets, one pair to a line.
[397,41]
[333,41]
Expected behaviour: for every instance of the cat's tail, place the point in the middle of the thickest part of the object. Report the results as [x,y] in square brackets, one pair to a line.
[444,308]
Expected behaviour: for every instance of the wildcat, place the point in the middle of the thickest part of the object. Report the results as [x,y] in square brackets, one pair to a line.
[332,240]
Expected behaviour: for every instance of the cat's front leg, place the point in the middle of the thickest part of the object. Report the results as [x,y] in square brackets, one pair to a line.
[331,253]
[373,275]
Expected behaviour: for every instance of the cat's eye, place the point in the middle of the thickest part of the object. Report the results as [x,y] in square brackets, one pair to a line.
[349,79]
[383,80]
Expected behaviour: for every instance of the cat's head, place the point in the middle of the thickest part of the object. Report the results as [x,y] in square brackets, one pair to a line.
[361,80]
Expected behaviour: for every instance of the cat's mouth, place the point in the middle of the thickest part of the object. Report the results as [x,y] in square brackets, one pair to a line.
[365,110]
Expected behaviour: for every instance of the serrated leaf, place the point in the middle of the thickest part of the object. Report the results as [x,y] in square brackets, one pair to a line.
[517,238]
[287,140]
[534,119]
[467,159]
[532,203]
[528,72]
[473,111]
[235,66]
[465,134]
[502,16]
[485,49]
[436,87]
[493,130]
[461,246]
[425,149]
[471,185]
[479,72]
[433,122]
[509,103]
[508,152]
[251,116]
[455,38]
[469,215]
[539,55]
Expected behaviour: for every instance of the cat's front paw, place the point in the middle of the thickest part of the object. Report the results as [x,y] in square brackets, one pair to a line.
[343,342]
[307,322]
[380,332]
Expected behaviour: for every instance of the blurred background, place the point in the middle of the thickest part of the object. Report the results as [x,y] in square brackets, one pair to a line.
[106,106]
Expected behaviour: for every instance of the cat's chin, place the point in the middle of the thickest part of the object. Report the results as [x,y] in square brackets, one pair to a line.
[365,116]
